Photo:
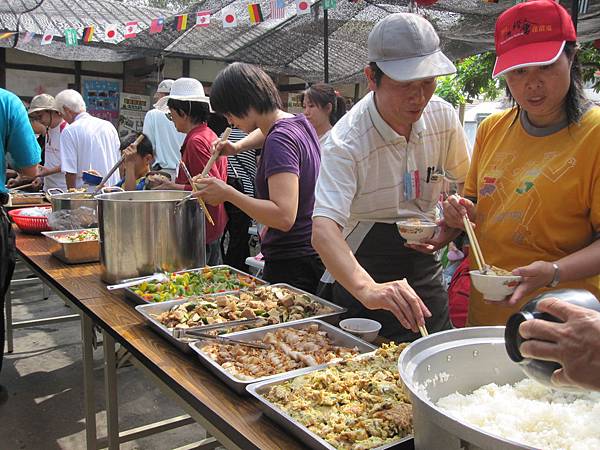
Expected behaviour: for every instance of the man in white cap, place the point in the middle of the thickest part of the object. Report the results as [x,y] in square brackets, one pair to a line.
[385,161]
[42,110]
[88,143]
[165,139]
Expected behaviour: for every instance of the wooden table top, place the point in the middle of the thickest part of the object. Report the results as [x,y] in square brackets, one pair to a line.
[239,418]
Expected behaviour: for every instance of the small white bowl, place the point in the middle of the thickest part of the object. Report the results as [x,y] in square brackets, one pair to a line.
[366,329]
[494,287]
[415,231]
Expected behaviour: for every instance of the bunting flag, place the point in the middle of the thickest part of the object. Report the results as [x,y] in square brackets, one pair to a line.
[302,7]
[329,4]
[277,9]
[7,35]
[70,37]
[131,30]
[181,22]
[47,38]
[255,13]
[27,37]
[203,18]
[157,25]
[88,34]
[110,32]
[229,17]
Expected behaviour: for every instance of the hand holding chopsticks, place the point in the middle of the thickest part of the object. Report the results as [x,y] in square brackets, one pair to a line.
[195,189]
[483,267]
[215,155]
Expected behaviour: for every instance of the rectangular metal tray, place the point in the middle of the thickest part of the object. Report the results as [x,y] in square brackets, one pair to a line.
[338,337]
[73,252]
[280,417]
[148,310]
[141,301]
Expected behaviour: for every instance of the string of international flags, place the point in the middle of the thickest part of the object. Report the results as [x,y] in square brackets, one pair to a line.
[229,19]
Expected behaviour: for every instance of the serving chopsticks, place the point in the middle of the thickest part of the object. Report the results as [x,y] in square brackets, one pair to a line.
[195,189]
[483,267]
[423,330]
[215,155]
[138,141]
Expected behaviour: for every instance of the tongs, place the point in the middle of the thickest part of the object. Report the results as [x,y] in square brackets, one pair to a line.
[201,333]
[160,277]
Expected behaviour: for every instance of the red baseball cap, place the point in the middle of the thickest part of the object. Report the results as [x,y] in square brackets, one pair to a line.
[531,34]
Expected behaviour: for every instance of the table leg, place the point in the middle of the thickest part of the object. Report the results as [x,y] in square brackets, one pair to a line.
[8,320]
[110,384]
[88,382]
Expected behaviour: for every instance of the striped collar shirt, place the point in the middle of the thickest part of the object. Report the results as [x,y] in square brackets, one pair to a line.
[364,162]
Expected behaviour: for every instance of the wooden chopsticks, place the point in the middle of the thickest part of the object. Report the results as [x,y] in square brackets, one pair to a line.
[423,331]
[475,245]
[215,155]
[195,189]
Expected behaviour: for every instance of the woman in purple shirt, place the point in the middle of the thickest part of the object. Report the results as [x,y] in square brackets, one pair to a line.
[285,177]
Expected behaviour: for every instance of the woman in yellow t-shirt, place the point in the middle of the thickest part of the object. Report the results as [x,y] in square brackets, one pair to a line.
[533,189]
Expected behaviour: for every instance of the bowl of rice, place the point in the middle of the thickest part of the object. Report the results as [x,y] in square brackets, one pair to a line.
[467,393]
[496,284]
[416,230]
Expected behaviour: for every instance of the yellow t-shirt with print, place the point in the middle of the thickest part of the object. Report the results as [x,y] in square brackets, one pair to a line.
[538,198]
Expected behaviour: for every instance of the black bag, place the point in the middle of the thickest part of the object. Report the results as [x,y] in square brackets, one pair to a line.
[238,185]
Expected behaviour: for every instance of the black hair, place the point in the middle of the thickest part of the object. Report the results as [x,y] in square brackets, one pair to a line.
[575,100]
[198,112]
[240,87]
[324,94]
[144,148]
[217,123]
[377,73]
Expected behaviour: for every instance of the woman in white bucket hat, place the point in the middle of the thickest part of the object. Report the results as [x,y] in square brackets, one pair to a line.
[189,108]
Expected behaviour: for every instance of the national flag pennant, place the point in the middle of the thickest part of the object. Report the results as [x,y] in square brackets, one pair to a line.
[277,9]
[229,17]
[131,30]
[70,37]
[302,7]
[7,35]
[203,18]
[255,13]
[88,34]
[329,4]
[156,26]
[27,37]
[181,22]
[110,32]
[47,38]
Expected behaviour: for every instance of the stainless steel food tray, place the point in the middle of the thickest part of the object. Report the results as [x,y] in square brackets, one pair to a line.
[280,417]
[149,310]
[131,295]
[338,337]
[73,252]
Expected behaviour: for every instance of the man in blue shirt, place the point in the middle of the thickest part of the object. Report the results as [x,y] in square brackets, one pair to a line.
[18,147]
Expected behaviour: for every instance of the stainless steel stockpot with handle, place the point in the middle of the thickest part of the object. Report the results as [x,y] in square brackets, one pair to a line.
[145,232]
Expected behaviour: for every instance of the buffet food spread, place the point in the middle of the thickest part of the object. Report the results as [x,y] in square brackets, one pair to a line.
[275,304]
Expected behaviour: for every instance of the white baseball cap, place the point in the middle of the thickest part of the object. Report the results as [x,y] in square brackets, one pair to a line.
[406,47]
[186,89]
[165,86]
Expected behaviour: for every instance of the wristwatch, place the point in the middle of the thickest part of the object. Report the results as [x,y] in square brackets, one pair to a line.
[556,277]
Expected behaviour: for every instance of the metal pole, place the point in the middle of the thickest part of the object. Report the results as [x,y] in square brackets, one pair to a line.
[575,13]
[326,46]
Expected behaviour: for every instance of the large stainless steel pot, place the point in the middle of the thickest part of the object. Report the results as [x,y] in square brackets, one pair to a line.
[452,361]
[144,232]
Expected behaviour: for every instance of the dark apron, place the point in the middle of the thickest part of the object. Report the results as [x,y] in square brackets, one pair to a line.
[383,255]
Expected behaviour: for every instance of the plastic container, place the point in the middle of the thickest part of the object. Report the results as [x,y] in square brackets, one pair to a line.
[29,224]
[539,370]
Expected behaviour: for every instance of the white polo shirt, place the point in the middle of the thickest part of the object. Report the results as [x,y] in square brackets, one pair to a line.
[165,138]
[52,158]
[363,163]
[89,143]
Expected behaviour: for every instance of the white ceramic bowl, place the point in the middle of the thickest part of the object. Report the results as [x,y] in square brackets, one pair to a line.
[494,287]
[415,231]
[366,329]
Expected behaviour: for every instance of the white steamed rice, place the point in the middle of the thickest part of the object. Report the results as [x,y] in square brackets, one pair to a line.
[531,414]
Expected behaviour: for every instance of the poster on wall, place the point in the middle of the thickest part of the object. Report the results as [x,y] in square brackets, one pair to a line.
[131,114]
[102,99]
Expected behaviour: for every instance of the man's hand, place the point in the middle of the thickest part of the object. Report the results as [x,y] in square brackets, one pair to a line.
[212,190]
[400,299]
[444,236]
[455,208]
[575,343]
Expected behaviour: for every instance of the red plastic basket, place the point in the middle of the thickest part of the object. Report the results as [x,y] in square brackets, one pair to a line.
[27,224]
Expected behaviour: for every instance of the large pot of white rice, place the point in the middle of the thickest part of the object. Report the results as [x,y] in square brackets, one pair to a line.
[468,395]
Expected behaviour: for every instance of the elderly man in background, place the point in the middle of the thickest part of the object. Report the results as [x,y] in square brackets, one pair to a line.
[166,140]
[88,143]
[17,141]
[43,111]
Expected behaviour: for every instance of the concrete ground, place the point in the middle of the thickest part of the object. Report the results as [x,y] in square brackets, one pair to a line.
[44,378]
